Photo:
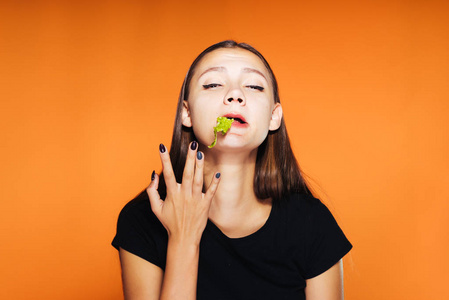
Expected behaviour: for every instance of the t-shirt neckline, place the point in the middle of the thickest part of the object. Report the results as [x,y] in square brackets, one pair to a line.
[211,225]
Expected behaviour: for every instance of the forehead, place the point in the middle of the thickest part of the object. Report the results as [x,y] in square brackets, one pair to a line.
[231,57]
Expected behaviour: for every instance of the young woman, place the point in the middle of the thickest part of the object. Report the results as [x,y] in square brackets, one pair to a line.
[235,221]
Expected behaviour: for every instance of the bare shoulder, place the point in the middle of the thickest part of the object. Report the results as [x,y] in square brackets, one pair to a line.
[141,279]
[328,285]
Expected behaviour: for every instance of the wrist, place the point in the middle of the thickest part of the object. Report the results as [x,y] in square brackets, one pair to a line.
[184,242]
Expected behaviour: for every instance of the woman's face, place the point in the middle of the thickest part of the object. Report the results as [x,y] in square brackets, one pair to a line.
[233,83]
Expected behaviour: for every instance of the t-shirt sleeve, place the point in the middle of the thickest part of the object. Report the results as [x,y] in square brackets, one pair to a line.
[326,242]
[140,233]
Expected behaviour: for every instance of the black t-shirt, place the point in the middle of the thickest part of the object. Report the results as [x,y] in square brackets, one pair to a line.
[300,240]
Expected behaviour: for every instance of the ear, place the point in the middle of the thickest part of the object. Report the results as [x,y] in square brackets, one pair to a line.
[276,117]
[186,120]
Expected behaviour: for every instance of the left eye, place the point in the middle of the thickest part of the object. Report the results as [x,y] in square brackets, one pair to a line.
[256,87]
[211,85]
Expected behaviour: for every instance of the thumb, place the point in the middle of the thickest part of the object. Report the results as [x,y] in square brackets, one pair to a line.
[212,188]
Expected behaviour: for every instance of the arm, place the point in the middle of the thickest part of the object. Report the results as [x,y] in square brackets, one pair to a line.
[141,279]
[184,215]
[144,280]
[326,286]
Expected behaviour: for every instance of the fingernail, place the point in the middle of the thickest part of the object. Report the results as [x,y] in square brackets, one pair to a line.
[153,175]
[217,175]
[193,145]
[162,148]
[199,155]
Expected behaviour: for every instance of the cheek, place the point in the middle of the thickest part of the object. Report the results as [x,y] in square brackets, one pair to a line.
[263,110]
[203,122]
[202,112]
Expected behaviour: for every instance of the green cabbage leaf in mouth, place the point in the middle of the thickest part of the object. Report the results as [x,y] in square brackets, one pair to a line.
[223,125]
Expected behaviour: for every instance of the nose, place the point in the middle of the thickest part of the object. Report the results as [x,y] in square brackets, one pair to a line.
[240,100]
[235,94]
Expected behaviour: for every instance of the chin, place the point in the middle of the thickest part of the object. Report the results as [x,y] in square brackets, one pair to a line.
[236,146]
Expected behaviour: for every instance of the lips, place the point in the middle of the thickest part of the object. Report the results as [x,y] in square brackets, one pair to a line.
[237,118]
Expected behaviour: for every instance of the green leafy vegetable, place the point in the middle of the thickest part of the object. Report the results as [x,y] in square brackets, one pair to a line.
[223,125]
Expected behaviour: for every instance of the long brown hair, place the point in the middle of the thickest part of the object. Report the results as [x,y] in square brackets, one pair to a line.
[277,172]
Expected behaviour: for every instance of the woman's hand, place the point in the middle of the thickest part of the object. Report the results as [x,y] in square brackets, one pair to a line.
[185,211]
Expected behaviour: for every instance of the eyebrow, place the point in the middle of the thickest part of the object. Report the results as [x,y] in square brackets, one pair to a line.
[251,70]
[218,69]
[222,69]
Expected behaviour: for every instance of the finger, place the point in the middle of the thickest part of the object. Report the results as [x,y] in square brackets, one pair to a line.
[189,168]
[169,176]
[155,200]
[212,188]
[197,187]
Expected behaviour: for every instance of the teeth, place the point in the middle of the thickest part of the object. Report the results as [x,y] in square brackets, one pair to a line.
[238,120]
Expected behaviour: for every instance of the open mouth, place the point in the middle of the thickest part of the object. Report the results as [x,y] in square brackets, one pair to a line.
[237,118]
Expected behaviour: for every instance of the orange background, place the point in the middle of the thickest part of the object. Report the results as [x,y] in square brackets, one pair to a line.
[88,91]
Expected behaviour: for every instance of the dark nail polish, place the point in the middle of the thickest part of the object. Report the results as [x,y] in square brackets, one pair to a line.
[217,175]
[199,155]
[153,175]
[193,145]
[162,148]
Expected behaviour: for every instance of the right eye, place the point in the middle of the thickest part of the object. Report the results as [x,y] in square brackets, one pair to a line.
[211,85]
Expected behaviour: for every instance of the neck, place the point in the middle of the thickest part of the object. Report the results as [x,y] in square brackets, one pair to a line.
[235,208]
[235,192]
